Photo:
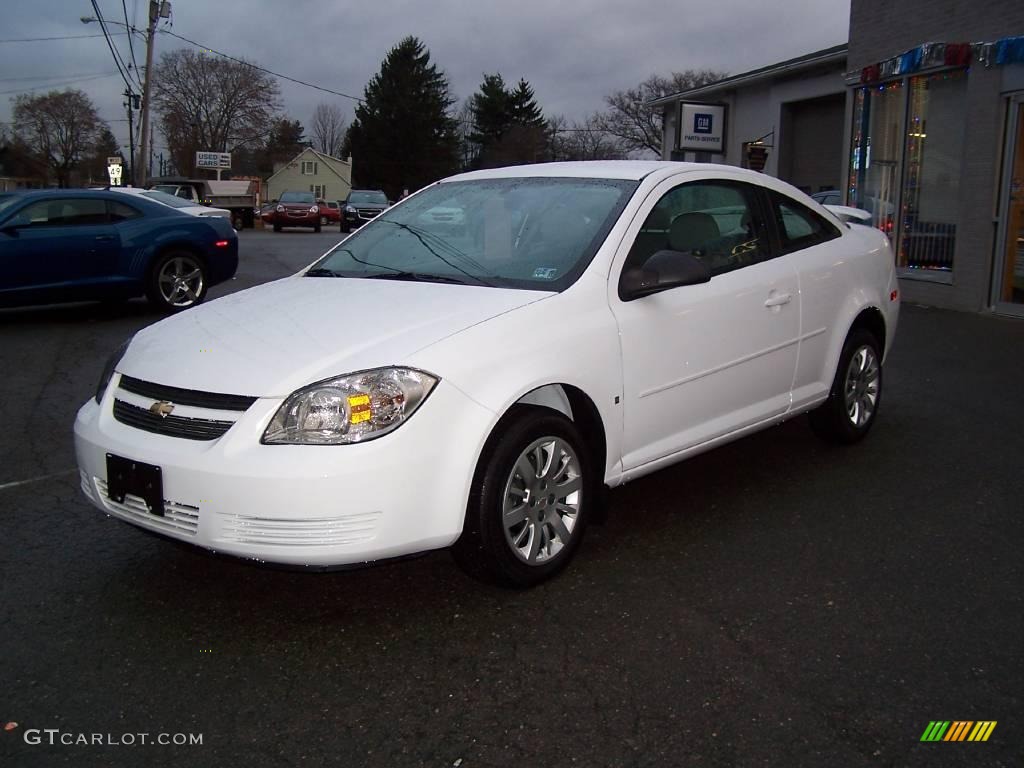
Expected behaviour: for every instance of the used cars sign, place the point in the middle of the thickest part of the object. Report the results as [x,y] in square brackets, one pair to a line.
[214,160]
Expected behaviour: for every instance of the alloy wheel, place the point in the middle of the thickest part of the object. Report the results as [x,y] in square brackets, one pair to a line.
[181,281]
[860,393]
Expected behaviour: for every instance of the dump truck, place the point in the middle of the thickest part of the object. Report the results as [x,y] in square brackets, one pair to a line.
[237,195]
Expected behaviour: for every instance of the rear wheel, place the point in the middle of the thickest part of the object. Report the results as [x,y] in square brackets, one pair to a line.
[530,502]
[277,227]
[856,393]
[177,281]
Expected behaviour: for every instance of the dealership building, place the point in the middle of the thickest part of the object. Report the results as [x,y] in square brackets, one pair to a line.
[919,119]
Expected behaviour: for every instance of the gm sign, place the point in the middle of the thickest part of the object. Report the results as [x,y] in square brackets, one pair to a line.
[701,127]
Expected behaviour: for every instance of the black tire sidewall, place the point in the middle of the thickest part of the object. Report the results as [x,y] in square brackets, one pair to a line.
[482,548]
[831,420]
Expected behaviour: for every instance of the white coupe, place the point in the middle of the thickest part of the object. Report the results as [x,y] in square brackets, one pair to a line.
[423,386]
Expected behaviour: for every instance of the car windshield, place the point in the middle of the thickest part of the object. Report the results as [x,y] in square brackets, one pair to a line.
[533,233]
[297,197]
[363,197]
[171,200]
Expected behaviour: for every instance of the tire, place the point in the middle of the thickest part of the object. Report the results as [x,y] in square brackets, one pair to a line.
[345,229]
[533,548]
[316,227]
[238,223]
[178,280]
[323,220]
[277,227]
[852,405]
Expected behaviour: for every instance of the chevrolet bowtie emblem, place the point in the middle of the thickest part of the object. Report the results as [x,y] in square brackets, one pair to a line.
[162,408]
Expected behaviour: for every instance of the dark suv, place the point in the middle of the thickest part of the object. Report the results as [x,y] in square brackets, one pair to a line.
[361,206]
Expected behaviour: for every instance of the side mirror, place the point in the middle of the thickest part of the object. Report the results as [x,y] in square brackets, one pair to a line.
[663,271]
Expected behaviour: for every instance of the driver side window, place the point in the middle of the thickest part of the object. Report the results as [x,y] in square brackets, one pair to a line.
[711,220]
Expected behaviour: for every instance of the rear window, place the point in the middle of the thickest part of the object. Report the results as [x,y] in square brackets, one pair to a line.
[799,227]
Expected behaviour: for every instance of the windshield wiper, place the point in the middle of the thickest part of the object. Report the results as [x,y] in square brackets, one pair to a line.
[415,277]
[321,272]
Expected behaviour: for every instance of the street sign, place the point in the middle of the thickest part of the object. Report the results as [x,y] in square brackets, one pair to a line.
[701,127]
[213,160]
[114,172]
[114,160]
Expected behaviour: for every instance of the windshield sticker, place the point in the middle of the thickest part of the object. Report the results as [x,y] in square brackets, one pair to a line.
[545,273]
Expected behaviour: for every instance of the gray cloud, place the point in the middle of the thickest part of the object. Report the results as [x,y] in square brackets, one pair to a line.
[573,52]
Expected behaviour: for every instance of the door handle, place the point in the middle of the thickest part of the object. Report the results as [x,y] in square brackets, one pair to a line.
[779,300]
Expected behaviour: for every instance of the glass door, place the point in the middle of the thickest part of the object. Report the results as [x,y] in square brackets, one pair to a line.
[1009,280]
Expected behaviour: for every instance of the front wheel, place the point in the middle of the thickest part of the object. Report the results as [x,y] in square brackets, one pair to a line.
[316,227]
[177,281]
[856,393]
[531,498]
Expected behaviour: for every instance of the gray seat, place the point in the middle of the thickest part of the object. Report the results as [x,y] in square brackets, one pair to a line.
[692,232]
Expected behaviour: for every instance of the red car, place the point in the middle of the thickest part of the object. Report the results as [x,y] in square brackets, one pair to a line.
[330,211]
[297,209]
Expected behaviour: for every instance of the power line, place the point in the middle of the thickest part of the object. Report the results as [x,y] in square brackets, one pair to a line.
[208,49]
[50,77]
[118,61]
[57,85]
[61,37]
[131,48]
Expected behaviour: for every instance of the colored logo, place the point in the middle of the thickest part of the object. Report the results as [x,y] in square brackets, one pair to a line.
[958,730]
[161,408]
[701,122]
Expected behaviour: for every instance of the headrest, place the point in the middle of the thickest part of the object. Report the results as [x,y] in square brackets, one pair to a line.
[692,231]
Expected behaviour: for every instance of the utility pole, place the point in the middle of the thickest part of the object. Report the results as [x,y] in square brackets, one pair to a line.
[158,9]
[130,99]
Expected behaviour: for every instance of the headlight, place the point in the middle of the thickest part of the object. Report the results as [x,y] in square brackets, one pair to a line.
[350,209]
[314,209]
[108,369]
[280,209]
[350,409]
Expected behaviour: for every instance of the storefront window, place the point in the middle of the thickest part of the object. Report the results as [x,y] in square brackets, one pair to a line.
[934,146]
[875,160]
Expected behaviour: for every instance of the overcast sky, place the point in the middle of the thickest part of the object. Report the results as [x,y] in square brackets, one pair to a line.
[573,52]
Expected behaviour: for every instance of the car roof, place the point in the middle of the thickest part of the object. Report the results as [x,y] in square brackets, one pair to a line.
[634,170]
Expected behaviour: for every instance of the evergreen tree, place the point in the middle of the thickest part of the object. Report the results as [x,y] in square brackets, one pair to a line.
[508,126]
[403,136]
[523,109]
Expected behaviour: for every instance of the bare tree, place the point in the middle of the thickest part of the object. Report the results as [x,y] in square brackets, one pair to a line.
[209,103]
[58,129]
[583,140]
[328,129]
[631,118]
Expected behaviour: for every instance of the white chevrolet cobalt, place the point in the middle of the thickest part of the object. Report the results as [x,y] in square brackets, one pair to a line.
[478,386]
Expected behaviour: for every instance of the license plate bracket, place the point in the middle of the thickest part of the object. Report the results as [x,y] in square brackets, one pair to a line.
[126,476]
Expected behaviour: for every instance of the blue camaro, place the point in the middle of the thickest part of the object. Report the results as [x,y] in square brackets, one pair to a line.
[60,245]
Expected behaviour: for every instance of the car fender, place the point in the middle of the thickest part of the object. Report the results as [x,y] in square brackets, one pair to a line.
[509,358]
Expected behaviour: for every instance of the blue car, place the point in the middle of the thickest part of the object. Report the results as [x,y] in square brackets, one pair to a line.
[60,245]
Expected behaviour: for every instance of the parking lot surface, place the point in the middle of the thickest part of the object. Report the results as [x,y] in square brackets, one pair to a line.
[775,602]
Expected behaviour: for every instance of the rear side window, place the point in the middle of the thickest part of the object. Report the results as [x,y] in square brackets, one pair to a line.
[799,227]
[121,212]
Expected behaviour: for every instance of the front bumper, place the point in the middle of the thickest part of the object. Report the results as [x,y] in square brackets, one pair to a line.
[316,506]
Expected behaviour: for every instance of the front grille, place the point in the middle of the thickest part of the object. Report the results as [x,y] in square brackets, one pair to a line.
[178,517]
[346,529]
[367,213]
[172,426]
[180,396]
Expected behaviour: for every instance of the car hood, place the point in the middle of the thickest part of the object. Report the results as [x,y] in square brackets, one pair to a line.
[270,340]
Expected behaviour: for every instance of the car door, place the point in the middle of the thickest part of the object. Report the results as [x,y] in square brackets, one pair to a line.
[57,244]
[813,246]
[702,361]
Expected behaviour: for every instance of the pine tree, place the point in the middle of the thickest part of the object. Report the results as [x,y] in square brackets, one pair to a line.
[508,126]
[523,109]
[403,136]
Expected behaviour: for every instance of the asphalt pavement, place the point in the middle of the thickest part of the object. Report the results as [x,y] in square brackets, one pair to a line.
[775,602]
